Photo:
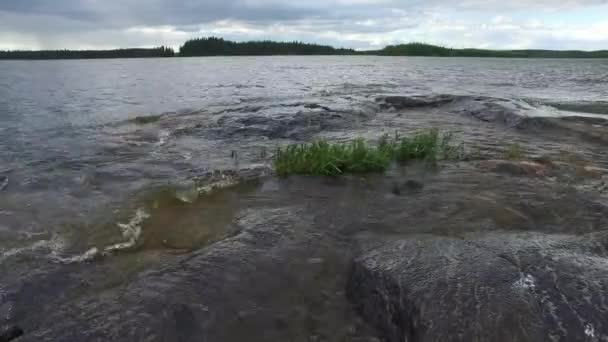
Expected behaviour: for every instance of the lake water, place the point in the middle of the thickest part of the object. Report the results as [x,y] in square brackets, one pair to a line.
[72,148]
[85,144]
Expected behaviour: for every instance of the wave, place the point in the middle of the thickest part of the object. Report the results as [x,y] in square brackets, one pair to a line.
[86,256]
[54,246]
[484,107]
[131,232]
[587,107]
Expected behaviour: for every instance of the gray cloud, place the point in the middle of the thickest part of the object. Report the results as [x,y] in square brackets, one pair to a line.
[351,23]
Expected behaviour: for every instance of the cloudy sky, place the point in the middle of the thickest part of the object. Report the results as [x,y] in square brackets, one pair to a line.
[360,24]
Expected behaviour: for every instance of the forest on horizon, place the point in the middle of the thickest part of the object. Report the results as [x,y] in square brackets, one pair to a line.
[214,46]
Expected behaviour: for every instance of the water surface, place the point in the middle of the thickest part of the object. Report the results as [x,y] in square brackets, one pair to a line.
[104,155]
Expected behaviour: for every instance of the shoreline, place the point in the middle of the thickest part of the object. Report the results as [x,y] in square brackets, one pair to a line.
[295,55]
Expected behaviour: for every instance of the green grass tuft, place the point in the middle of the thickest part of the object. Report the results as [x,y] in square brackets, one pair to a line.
[144,120]
[514,152]
[333,159]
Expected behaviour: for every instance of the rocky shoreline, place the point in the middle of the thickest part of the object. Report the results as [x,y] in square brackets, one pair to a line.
[482,249]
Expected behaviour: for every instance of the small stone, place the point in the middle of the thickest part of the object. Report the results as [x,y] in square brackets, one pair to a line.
[3,182]
[281,323]
[413,185]
[10,333]
[315,261]
[242,315]
[396,190]
[409,186]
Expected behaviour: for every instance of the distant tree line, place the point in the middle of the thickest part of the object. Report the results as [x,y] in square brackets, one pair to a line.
[162,51]
[421,49]
[213,46]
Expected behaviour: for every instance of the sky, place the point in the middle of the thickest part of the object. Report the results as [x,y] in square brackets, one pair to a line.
[358,24]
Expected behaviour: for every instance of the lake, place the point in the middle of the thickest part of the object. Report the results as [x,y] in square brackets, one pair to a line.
[92,149]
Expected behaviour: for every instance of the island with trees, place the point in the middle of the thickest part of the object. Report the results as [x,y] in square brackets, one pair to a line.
[214,46]
[88,54]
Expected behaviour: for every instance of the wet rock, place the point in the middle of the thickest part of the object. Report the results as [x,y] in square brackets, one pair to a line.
[407,102]
[144,120]
[413,185]
[407,186]
[514,168]
[281,323]
[598,185]
[10,333]
[298,125]
[3,182]
[315,261]
[245,288]
[498,287]
[316,106]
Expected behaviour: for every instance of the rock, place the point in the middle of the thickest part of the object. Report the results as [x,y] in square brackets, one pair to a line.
[300,125]
[315,261]
[10,333]
[514,168]
[408,186]
[243,314]
[396,189]
[316,106]
[406,102]
[250,287]
[498,287]
[413,185]
[281,323]
[3,182]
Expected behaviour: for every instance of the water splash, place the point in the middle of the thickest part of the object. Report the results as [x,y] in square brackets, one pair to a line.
[589,330]
[163,137]
[131,231]
[225,182]
[526,282]
[86,256]
[54,245]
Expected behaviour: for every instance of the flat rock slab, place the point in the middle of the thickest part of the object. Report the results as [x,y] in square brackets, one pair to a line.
[497,287]
[276,281]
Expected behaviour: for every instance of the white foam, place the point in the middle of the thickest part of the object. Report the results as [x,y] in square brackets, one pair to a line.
[53,245]
[163,136]
[545,111]
[225,182]
[86,256]
[589,330]
[525,282]
[131,231]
